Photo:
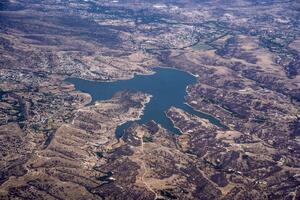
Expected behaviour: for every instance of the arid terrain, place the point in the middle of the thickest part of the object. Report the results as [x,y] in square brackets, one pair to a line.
[245,55]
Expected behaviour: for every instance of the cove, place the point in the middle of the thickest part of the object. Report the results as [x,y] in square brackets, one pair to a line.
[167,87]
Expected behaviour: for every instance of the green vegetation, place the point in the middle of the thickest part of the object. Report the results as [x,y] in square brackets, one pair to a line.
[148,139]
[203,46]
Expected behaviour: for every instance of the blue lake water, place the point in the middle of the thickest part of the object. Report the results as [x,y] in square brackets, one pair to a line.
[167,87]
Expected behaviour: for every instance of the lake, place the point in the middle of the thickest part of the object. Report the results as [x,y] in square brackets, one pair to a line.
[167,87]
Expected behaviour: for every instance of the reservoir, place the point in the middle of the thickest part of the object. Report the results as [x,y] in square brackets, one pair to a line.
[167,87]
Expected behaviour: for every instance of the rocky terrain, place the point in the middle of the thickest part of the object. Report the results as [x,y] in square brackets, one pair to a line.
[245,55]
